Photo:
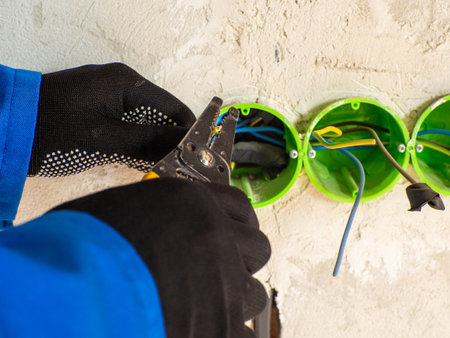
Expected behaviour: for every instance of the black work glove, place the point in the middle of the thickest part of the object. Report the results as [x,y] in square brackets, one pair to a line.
[201,243]
[101,114]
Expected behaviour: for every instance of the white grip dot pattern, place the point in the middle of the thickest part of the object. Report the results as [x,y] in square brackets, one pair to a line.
[76,161]
[149,115]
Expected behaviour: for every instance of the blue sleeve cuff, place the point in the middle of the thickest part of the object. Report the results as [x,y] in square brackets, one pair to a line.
[68,274]
[19,97]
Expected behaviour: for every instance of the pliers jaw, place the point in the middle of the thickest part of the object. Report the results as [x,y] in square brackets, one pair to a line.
[197,158]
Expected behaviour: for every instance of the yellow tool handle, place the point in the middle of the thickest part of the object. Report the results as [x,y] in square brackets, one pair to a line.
[150,176]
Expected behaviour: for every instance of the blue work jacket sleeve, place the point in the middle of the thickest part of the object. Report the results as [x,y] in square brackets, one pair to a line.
[19,97]
[68,274]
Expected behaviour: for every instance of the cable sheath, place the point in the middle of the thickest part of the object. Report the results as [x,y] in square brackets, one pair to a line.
[362,181]
[434,142]
[434,131]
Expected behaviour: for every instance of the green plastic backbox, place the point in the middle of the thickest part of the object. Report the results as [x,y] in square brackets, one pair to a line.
[432,166]
[260,190]
[335,174]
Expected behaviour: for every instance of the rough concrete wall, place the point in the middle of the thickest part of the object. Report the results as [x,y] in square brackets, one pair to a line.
[395,278]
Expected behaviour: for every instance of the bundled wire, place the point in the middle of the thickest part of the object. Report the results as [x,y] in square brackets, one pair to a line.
[355,204]
[433,144]
[352,145]
[256,131]
[434,131]
[347,144]
[376,140]
[386,153]
[418,193]
[346,148]
[440,145]
[259,129]
[252,130]
[363,124]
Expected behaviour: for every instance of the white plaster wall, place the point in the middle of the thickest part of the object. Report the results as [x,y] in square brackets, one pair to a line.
[395,278]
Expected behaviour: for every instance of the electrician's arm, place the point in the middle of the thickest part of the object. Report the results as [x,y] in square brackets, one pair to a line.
[66,122]
[200,241]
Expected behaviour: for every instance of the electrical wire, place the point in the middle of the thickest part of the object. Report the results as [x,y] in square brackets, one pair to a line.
[386,153]
[218,126]
[255,131]
[255,122]
[363,124]
[220,118]
[337,132]
[252,122]
[315,147]
[351,217]
[268,139]
[434,131]
[327,144]
[350,130]
[242,123]
[431,146]
[434,142]
[259,129]
[323,142]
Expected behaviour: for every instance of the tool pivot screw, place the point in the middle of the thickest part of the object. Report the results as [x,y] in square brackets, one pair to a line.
[206,158]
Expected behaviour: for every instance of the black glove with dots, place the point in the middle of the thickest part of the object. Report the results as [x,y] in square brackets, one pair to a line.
[201,242]
[99,114]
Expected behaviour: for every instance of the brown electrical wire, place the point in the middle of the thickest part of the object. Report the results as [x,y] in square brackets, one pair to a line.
[433,142]
[386,153]
[369,127]
[363,124]
[352,130]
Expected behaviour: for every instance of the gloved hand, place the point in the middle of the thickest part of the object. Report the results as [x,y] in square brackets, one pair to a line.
[201,243]
[100,114]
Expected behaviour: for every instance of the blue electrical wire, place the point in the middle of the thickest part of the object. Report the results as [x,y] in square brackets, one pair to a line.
[255,131]
[268,139]
[242,123]
[434,131]
[259,129]
[362,182]
[257,135]
[220,118]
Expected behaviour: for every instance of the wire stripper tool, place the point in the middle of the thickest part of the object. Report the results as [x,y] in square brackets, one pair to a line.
[200,156]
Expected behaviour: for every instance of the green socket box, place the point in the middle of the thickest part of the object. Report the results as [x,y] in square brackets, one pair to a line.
[335,174]
[431,164]
[260,189]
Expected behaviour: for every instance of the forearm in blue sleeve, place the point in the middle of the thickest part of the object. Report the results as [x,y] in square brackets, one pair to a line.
[68,274]
[19,97]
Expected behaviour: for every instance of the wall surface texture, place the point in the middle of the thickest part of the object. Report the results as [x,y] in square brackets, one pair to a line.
[296,55]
